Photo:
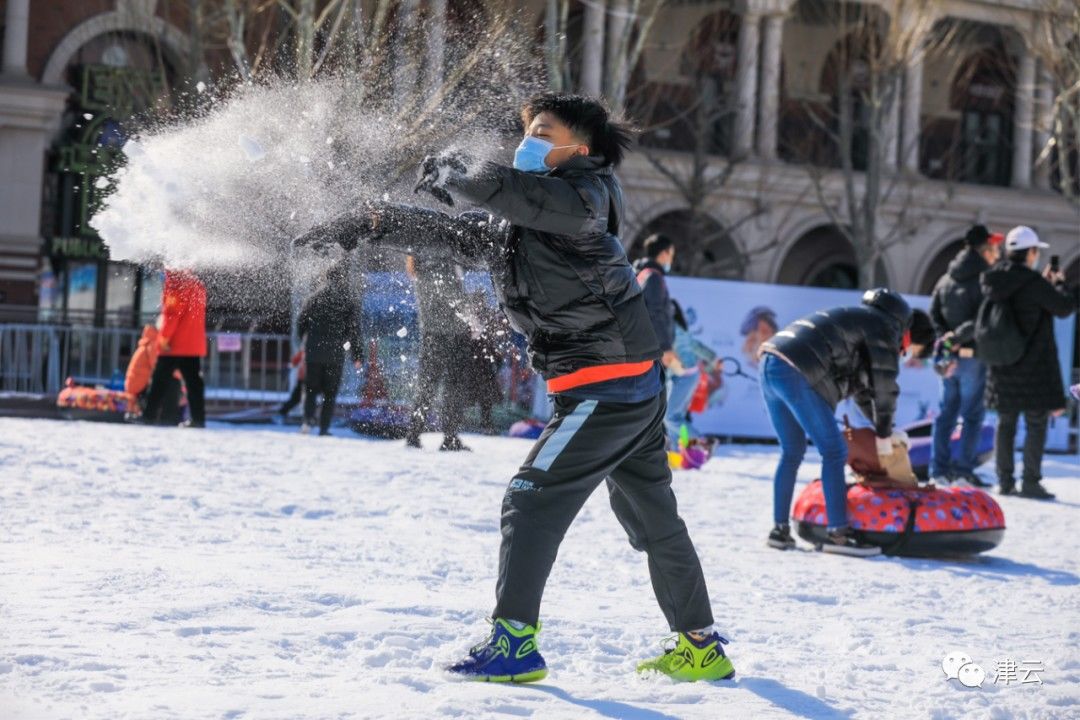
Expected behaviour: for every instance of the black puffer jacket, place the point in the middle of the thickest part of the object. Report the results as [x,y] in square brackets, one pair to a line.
[1034,381]
[551,244]
[328,320]
[849,351]
[658,302]
[957,297]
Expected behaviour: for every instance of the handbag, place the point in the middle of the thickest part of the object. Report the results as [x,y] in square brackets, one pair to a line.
[873,470]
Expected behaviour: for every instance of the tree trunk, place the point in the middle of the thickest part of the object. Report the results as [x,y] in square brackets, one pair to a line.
[305,40]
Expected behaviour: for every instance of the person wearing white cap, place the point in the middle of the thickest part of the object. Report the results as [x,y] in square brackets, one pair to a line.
[1031,385]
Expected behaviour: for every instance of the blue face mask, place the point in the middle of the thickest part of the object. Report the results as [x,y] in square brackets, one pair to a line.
[530,154]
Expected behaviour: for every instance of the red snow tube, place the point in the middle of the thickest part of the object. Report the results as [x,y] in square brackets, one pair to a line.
[79,402]
[916,522]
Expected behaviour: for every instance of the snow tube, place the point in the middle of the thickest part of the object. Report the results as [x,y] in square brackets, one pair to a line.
[921,438]
[80,402]
[916,523]
[386,421]
[529,429]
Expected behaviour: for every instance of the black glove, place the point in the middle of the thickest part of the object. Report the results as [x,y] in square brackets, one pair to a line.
[434,170]
[344,230]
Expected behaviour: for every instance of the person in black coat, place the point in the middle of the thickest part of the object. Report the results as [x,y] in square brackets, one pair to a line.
[547,232]
[953,307]
[806,370]
[651,272]
[445,315]
[1032,385]
[329,320]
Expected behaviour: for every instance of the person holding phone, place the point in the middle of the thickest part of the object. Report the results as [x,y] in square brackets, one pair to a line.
[1031,386]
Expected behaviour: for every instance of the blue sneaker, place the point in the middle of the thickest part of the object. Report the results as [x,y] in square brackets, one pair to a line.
[508,655]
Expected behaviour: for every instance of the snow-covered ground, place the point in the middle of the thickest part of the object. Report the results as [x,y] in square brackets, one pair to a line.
[256,573]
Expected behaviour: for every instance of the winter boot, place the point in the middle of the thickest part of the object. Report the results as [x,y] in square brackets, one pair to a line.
[1006,486]
[1034,489]
[780,538]
[845,541]
[452,443]
[694,657]
[970,479]
[509,654]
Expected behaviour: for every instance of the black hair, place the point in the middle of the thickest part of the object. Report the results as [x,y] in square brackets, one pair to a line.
[588,118]
[1019,257]
[680,316]
[656,244]
[977,236]
[922,332]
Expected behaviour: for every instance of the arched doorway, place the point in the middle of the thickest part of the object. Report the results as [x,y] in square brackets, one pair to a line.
[824,258]
[704,247]
[938,266]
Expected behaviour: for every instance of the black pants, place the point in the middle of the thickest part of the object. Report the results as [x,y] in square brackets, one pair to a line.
[585,443]
[441,363]
[190,370]
[321,379]
[294,398]
[1035,422]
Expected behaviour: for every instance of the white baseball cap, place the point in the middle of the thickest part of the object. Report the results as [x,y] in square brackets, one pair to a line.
[1022,237]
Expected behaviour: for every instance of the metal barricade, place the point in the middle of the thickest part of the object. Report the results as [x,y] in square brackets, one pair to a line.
[249,369]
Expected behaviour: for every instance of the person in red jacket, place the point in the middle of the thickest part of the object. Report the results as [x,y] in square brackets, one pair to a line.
[183,343]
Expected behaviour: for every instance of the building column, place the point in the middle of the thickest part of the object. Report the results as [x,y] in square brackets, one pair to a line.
[436,45]
[1023,120]
[1043,128]
[616,27]
[16,31]
[592,59]
[769,112]
[912,120]
[746,76]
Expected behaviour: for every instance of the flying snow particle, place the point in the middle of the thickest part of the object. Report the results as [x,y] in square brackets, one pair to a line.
[329,141]
[101,183]
[347,345]
[402,332]
[87,116]
[200,86]
[252,148]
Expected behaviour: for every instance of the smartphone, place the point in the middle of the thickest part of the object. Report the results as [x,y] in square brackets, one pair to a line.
[1055,262]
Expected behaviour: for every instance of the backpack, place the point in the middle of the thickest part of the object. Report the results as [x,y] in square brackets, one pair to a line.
[999,341]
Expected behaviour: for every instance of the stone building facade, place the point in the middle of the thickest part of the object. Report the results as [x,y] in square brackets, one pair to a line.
[961,141]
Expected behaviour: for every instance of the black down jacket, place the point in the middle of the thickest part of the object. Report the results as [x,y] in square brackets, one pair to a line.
[658,301]
[328,320]
[957,297]
[850,351]
[1034,381]
[550,242]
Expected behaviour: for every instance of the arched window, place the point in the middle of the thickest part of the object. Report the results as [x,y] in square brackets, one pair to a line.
[697,111]
[974,143]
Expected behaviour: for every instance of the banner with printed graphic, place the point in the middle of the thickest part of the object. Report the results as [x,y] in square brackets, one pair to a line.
[734,318]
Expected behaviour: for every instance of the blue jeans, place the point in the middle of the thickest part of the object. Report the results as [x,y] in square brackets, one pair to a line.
[961,396]
[680,393]
[797,410]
